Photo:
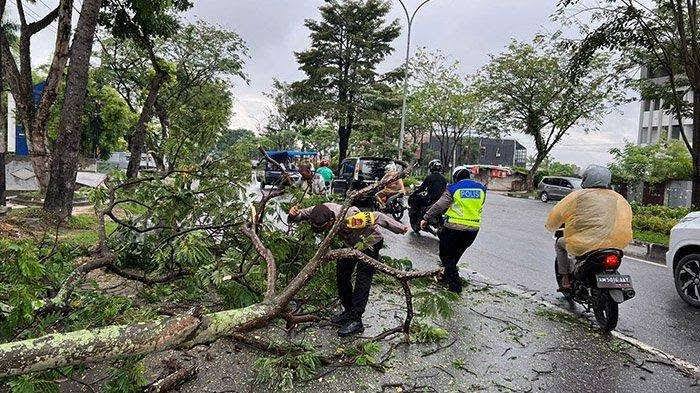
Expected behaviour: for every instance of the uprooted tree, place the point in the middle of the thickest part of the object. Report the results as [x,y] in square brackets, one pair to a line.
[179,229]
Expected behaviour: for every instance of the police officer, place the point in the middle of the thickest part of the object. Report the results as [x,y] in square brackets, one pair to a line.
[461,203]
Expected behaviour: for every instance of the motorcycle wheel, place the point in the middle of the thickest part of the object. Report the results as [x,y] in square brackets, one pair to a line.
[568,295]
[606,312]
[397,213]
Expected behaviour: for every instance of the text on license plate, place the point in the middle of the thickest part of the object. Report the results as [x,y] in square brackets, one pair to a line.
[614,281]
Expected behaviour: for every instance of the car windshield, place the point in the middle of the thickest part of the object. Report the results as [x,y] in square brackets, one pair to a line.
[372,169]
[575,182]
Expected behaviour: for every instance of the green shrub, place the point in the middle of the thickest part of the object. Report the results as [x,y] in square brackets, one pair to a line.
[651,223]
[675,213]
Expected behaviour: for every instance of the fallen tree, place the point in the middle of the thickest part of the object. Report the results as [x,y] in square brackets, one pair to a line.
[193,327]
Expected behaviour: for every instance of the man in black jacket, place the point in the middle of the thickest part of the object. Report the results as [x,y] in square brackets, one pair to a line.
[431,189]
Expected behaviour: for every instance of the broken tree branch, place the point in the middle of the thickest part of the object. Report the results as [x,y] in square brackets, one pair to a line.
[265,254]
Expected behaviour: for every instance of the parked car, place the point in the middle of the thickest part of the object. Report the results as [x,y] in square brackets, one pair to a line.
[290,160]
[684,257]
[557,187]
[358,172]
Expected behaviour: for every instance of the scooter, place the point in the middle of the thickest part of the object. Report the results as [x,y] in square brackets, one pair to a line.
[597,285]
[395,206]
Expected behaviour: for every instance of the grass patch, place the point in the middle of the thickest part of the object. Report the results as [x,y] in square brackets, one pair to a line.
[555,315]
[652,237]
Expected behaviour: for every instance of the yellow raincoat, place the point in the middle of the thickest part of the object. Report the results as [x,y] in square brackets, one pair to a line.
[595,218]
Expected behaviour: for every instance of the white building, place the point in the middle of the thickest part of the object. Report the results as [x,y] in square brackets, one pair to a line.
[655,122]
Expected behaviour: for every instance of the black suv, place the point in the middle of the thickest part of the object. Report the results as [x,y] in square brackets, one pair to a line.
[358,172]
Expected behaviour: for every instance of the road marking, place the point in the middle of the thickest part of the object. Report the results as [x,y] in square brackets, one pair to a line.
[657,264]
[685,367]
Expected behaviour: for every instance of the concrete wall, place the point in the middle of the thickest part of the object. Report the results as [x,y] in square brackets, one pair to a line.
[678,193]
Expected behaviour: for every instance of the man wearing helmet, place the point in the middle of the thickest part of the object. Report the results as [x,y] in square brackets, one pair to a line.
[359,227]
[433,185]
[391,189]
[594,218]
[462,203]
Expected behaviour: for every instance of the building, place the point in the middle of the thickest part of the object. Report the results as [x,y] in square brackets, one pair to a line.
[655,124]
[654,121]
[501,152]
[479,151]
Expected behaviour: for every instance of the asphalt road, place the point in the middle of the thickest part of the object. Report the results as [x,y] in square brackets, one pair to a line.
[514,248]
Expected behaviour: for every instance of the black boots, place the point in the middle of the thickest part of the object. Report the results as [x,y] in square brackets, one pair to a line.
[350,328]
[340,319]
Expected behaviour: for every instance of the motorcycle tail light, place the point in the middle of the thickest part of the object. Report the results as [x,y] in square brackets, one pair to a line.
[611,262]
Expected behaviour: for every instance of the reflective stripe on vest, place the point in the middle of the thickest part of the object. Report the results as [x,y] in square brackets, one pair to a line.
[468,198]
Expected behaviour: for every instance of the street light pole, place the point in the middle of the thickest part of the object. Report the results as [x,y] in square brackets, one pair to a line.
[409,21]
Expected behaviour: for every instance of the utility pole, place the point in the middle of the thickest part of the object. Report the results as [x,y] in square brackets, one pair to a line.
[409,21]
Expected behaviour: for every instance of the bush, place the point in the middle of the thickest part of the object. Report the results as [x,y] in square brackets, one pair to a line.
[651,223]
[675,213]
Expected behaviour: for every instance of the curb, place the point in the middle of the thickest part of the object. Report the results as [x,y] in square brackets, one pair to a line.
[650,251]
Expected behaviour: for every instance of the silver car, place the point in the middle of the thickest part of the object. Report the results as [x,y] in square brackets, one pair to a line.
[557,187]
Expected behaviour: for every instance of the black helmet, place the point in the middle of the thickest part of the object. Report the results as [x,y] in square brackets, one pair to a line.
[435,166]
[461,173]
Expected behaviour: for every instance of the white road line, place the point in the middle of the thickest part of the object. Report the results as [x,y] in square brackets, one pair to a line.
[687,368]
[647,262]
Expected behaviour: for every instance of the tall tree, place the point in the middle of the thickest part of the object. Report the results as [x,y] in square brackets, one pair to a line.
[18,74]
[527,89]
[143,23]
[347,44]
[192,107]
[668,37]
[64,163]
[443,102]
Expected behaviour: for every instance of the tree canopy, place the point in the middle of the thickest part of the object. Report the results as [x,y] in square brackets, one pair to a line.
[527,89]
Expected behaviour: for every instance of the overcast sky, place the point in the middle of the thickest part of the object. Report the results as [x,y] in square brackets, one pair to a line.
[468,30]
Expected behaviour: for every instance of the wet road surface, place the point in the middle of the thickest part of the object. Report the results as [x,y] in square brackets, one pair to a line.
[514,248]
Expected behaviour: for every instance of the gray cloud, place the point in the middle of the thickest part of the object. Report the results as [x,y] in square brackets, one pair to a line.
[469,30]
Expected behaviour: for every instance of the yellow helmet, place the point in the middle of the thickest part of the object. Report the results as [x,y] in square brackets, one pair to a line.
[361,220]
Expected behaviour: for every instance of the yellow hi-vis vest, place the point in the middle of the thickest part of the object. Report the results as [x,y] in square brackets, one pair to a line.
[468,197]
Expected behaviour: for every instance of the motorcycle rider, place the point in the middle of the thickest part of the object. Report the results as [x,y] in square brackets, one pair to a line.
[594,218]
[433,185]
[461,203]
[394,188]
[359,227]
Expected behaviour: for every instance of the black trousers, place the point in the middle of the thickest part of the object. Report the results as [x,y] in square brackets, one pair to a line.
[354,297]
[453,244]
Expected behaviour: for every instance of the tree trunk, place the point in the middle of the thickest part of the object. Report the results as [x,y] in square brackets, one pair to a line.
[530,181]
[3,134]
[64,165]
[695,192]
[94,345]
[343,142]
[138,138]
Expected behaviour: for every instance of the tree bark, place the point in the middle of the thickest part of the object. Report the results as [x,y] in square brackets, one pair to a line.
[695,192]
[34,117]
[530,181]
[138,138]
[343,143]
[64,165]
[3,131]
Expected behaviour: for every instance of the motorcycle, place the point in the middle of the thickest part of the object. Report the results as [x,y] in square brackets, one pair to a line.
[417,206]
[597,285]
[395,206]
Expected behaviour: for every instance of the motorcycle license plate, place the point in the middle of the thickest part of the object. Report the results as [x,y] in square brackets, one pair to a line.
[614,281]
